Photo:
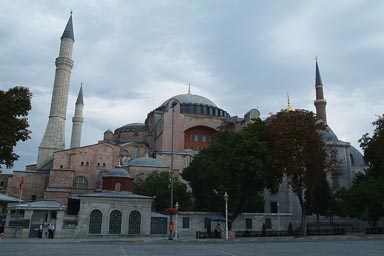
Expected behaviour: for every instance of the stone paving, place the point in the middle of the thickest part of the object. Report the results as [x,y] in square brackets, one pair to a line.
[313,246]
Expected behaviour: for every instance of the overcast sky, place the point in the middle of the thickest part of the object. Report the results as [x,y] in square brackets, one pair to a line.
[131,56]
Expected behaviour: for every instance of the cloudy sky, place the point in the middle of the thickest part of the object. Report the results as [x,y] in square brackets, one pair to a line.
[133,55]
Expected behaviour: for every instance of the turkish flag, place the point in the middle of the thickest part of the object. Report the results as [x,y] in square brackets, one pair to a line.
[21,183]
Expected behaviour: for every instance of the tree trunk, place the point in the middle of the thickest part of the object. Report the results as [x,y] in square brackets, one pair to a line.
[303,216]
[318,223]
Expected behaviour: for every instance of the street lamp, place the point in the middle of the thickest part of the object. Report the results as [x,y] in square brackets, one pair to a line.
[226,215]
[278,215]
[177,212]
[174,103]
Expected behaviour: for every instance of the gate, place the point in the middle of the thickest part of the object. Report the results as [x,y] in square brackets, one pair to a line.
[158,225]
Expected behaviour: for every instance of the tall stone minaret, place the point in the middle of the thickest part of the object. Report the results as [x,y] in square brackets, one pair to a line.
[320,102]
[54,136]
[77,120]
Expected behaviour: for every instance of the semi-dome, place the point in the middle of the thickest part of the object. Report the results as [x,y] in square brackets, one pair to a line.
[190,99]
[328,135]
[118,172]
[146,161]
[357,157]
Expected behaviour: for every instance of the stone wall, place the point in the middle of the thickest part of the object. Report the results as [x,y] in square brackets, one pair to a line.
[35,183]
[106,206]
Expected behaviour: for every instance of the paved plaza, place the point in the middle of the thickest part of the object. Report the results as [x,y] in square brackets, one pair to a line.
[312,247]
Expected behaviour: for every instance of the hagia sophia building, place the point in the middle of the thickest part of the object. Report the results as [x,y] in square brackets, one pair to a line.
[100,176]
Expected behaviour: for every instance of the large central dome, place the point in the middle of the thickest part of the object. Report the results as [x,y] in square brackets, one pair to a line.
[195,105]
[190,99]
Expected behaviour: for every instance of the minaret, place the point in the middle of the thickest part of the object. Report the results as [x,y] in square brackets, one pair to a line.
[289,107]
[320,102]
[54,136]
[77,120]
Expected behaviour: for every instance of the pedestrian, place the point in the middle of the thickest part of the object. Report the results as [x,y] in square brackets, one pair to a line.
[2,231]
[218,231]
[40,230]
[52,230]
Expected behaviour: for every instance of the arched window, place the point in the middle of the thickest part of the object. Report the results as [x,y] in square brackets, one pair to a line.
[117,187]
[134,222]
[125,158]
[115,222]
[80,182]
[95,221]
[135,152]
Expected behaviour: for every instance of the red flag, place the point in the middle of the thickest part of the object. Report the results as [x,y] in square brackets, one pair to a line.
[21,183]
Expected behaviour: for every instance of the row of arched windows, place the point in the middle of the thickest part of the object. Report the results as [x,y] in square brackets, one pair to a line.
[202,110]
[115,218]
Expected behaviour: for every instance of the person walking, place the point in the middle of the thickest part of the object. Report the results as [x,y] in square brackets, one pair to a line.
[40,230]
[218,231]
[52,230]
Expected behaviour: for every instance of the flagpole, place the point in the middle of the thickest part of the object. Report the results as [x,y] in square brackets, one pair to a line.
[18,210]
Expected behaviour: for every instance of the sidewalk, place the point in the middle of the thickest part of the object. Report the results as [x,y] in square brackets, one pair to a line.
[154,239]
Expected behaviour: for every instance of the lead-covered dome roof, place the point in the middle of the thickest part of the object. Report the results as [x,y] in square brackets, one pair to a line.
[194,104]
[146,162]
[118,172]
[190,99]
[132,127]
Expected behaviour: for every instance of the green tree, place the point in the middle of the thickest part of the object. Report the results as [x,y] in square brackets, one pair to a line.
[373,148]
[364,200]
[300,154]
[237,162]
[14,107]
[157,184]
[318,199]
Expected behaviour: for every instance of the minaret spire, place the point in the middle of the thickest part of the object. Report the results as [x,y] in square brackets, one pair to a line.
[68,31]
[289,107]
[54,136]
[77,120]
[320,102]
[189,89]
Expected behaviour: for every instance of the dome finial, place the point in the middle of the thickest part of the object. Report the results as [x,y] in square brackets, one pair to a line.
[289,107]
[189,89]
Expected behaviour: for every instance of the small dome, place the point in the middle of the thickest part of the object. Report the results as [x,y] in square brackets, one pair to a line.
[190,99]
[146,161]
[118,172]
[108,131]
[133,127]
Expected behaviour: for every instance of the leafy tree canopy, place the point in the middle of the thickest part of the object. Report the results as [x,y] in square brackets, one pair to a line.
[158,184]
[364,200]
[14,107]
[374,148]
[238,163]
[300,154]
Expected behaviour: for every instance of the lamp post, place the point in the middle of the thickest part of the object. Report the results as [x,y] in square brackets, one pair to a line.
[173,104]
[226,215]
[177,208]
[278,215]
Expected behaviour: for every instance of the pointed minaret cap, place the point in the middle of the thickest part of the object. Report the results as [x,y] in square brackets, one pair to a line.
[189,89]
[80,96]
[68,31]
[318,77]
